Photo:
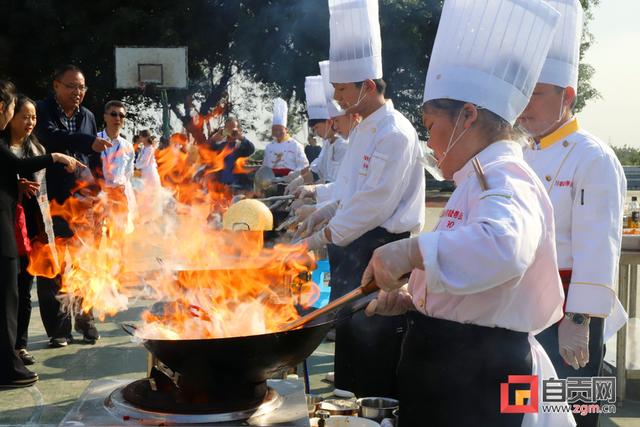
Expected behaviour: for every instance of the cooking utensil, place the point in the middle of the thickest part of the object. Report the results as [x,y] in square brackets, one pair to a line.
[339,406]
[264,179]
[336,304]
[237,367]
[377,408]
[480,174]
[276,198]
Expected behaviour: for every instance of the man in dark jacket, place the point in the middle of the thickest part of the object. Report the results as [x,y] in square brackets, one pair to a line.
[67,127]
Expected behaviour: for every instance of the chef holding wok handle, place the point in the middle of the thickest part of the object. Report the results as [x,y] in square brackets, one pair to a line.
[485,280]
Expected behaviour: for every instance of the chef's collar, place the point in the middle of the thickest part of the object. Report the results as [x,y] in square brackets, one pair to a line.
[285,138]
[374,117]
[490,154]
[559,134]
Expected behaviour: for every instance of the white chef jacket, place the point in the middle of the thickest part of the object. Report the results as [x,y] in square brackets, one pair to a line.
[587,187]
[328,162]
[383,181]
[117,169]
[287,154]
[117,161]
[491,260]
[330,192]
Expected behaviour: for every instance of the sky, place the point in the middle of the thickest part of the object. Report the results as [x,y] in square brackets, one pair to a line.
[616,59]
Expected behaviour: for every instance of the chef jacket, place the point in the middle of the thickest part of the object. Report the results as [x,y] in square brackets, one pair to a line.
[381,180]
[587,187]
[491,259]
[287,154]
[326,165]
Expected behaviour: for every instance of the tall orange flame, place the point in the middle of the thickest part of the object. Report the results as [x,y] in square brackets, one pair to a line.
[209,282]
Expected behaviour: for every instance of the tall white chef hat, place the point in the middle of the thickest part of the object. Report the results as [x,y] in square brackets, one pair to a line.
[490,53]
[563,59]
[316,99]
[332,106]
[279,112]
[355,45]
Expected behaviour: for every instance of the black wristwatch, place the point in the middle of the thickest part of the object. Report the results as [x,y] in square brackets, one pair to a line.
[578,318]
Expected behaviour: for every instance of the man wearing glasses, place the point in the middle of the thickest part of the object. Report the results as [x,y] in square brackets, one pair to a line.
[65,126]
[117,169]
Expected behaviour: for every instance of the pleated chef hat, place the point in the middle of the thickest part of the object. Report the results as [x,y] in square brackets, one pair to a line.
[316,99]
[279,112]
[561,66]
[490,53]
[332,106]
[355,45]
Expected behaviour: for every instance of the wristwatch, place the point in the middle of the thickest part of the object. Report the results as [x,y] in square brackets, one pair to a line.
[578,318]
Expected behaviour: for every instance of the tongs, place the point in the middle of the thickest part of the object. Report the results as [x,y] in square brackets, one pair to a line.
[334,305]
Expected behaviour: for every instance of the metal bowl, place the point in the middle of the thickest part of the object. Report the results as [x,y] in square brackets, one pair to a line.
[377,408]
[339,406]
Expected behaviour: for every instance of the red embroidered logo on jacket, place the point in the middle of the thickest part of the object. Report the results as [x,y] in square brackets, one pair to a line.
[365,161]
[452,213]
[567,183]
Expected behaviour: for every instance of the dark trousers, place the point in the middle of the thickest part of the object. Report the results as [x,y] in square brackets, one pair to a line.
[11,367]
[57,323]
[549,340]
[367,349]
[450,373]
[25,284]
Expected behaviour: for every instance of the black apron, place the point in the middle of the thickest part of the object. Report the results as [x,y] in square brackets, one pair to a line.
[367,349]
[450,373]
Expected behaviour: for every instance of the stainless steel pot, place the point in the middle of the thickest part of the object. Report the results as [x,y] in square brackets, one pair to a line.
[377,408]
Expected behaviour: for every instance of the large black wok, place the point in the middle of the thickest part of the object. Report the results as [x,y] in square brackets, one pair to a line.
[235,368]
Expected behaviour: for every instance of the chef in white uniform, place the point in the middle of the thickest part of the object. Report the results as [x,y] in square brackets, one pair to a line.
[284,154]
[324,168]
[484,280]
[587,187]
[382,196]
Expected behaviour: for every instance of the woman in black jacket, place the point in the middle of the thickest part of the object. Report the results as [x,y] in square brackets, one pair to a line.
[13,373]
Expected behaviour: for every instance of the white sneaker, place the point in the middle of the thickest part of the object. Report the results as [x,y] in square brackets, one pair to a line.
[330,377]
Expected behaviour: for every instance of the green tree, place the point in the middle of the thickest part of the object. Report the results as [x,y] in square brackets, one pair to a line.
[273,44]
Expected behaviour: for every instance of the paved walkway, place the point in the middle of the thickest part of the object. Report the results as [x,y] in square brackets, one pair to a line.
[66,372]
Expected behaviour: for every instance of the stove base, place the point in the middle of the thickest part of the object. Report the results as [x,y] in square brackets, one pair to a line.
[286,407]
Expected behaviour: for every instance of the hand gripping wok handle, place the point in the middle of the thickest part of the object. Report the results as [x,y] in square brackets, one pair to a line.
[334,305]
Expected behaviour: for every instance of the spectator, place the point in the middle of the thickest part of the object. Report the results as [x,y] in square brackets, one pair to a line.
[13,373]
[230,141]
[68,127]
[312,150]
[34,218]
[117,168]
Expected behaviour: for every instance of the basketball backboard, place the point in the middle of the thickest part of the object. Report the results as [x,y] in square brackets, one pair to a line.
[163,67]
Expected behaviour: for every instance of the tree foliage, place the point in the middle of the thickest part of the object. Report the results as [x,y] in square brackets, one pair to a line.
[272,43]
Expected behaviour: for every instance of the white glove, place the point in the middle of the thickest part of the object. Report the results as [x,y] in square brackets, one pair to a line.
[573,343]
[291,176]
[305,191]
[390,303]
[391,264]
[318,219]
[295,183]
[316,241]
[304,211]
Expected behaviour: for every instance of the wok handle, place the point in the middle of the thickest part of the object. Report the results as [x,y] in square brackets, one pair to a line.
[334,305]
[129,328]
